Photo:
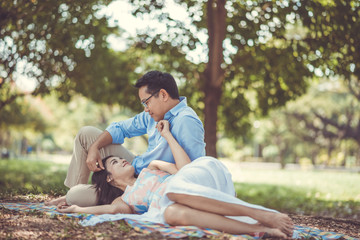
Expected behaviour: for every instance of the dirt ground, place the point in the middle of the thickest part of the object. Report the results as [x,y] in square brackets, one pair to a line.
[36,225]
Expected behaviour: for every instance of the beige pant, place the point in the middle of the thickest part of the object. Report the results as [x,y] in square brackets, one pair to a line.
[81,193]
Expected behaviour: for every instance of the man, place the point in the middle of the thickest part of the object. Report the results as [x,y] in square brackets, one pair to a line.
[159,95]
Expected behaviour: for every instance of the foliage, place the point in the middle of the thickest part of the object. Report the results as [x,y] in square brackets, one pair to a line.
[330,118]
[21,114]
[19,120]
[270,50]
[251,65]
[322,125]
[65,119]
[62,46]
[331,38]
[50,125]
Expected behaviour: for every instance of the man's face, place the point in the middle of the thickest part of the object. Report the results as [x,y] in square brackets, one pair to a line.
[154,104]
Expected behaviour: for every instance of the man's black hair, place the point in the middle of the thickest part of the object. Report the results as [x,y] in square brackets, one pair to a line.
[156,80]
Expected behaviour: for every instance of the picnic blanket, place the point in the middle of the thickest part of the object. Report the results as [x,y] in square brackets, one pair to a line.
[166,230]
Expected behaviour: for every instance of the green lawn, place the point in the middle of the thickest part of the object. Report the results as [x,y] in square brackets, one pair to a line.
[324,185]
[328,193]
[31,177]
[331,194]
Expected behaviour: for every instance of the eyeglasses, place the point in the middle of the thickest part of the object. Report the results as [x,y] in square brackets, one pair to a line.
[144,101]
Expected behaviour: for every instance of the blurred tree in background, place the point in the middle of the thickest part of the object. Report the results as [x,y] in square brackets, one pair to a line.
[19,119]
[62,46]
[322,126]
[260,53]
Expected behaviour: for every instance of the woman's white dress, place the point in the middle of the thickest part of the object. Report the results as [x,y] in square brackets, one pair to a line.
[205,176]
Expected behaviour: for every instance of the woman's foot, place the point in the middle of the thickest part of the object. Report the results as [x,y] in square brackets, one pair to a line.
[56,201]
[274,232]
[277,221]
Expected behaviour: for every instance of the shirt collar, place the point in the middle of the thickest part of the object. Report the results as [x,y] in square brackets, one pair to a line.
[175,110]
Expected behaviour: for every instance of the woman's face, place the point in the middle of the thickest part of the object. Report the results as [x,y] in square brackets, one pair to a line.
[119,168]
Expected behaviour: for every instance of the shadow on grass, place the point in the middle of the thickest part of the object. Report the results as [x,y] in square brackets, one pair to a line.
[296,201]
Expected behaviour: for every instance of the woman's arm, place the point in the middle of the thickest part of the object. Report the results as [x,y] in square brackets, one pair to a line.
[117,206]
[164,166]
[180,156]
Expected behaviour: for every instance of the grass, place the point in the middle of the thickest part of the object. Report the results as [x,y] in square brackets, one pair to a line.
[325,185]
[21,177]
[333,194]
[324,193]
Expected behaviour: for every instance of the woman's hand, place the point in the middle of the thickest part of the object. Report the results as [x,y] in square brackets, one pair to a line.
[163,127]
[180,156]
[67,209]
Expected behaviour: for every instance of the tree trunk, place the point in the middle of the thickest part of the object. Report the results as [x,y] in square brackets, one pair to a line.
[314,155]
[214,74]
[212,101]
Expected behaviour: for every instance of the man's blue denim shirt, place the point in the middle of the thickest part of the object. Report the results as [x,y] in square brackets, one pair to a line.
[185,126]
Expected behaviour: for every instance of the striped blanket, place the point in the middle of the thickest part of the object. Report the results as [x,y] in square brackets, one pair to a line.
[146,227]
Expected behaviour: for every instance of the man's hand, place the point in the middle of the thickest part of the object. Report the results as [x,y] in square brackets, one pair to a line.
[93,160]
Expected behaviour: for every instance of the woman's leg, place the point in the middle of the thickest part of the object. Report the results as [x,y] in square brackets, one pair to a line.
[267,218]
[181,215]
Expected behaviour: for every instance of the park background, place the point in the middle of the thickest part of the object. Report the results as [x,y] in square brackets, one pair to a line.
[276,84]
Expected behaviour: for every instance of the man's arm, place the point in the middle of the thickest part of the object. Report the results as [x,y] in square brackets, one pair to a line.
[132,127]
[189,133]
[115,133]
[93,157]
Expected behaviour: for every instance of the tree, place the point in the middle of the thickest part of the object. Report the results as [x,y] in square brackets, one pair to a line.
[17,120]
[331,116]
[250,67]
[322,125]
[259,52]
[333,29]
[213,76]
[62,46]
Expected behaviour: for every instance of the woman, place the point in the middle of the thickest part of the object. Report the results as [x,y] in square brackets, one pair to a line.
[199,194]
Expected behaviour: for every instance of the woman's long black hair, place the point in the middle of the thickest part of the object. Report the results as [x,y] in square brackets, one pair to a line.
[106,193]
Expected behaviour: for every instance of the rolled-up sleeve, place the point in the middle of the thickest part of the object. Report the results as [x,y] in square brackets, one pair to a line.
[135,126]
[189,133]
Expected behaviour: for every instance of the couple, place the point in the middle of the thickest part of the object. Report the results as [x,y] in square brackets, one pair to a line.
[174,190]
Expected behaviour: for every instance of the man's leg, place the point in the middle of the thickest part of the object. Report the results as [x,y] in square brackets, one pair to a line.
[78,172]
